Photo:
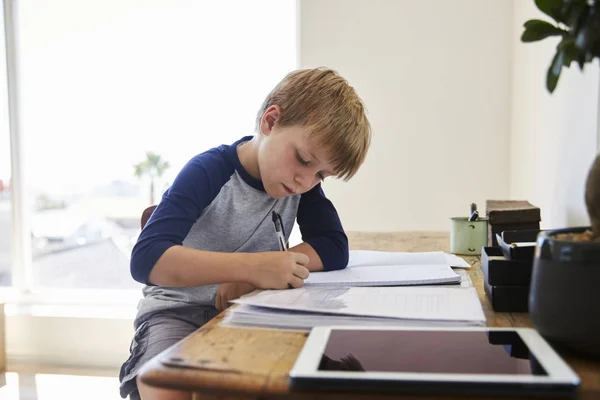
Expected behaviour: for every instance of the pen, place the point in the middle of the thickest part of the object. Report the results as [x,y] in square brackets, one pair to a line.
[278,225]
[474,216]
[474,213]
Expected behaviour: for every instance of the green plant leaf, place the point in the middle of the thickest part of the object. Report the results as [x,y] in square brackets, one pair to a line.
[536,29]
[578,24]
[552,8]
[595,51]
[554,71]
[570,51]
[590,31]
[582,58]
[574,11]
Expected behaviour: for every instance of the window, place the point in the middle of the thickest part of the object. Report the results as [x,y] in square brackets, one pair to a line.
[5,168]
[109,85]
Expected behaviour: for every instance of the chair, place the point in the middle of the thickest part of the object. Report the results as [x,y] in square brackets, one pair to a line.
[146,215]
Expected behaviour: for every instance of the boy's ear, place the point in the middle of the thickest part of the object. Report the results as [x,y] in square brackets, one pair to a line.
[269,119]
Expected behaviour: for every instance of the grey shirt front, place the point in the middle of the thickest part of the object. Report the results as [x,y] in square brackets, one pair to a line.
[215,205]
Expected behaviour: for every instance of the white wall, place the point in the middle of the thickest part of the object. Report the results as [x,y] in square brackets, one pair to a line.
[553,137]
[72,340]
[435,76]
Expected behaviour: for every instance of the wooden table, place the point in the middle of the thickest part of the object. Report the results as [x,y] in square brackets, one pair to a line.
[265,357]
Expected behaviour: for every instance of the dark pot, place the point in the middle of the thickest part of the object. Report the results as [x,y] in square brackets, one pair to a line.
[564,300]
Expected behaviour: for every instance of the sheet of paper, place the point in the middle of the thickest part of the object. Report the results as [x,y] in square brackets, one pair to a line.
[409,302]
[465,279]
[385,275]
[457,262]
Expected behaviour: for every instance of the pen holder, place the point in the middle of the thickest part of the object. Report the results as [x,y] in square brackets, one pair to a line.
[468,237]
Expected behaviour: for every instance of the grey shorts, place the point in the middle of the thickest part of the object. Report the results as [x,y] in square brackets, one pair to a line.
[155,332]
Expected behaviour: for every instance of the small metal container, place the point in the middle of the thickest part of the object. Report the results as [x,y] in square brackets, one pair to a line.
[468,237]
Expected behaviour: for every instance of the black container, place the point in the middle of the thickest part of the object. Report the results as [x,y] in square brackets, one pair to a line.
[495,230]
[564,301]
[514,248]
[507,298]
[526,235]
[503,272]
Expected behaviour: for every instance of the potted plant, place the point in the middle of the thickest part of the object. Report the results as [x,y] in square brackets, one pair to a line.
[565,287]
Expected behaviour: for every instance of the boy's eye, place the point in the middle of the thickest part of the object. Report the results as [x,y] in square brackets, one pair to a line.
[301,160]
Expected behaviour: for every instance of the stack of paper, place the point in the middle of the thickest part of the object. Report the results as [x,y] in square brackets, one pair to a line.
[375,288]
[407,306]
[247,316]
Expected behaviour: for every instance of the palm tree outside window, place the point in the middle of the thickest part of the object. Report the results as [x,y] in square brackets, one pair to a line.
[153,167]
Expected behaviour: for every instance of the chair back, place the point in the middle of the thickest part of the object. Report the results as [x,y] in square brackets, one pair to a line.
[146,215]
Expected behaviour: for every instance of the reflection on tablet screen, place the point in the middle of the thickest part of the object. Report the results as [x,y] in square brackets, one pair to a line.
[461,352]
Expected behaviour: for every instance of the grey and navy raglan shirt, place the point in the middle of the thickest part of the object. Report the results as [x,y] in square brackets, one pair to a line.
[215,205]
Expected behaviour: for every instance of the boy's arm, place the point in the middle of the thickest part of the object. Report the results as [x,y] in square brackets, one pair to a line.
[158,257]
[314,261]
[194,188]
[325,242]
[181,266]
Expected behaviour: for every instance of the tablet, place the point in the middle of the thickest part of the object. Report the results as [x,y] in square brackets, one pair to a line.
[472,360]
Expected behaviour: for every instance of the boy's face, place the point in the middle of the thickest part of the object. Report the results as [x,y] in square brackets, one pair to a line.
[289,162]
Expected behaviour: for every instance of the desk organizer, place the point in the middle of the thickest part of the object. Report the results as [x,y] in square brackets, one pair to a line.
[510,215]
[508,298]
[518,245]
[506,282]
[500,271]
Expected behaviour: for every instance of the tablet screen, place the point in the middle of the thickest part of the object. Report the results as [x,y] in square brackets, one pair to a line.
[460,352]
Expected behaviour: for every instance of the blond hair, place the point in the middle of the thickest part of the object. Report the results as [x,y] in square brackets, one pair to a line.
[324,103]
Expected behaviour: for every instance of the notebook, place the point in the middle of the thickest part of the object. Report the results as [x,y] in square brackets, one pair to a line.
[385,275]
[380,268]
[363,258]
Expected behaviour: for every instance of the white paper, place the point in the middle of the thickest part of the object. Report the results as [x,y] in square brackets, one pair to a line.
[456,261]
[246,315]
[465,278]
[364,258]
[384,275]
[410,302]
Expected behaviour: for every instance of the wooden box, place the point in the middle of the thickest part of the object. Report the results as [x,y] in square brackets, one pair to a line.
[508,215]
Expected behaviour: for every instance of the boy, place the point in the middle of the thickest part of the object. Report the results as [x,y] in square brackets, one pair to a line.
[211,238]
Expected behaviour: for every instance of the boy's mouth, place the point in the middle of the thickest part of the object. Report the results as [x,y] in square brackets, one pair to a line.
[287,189]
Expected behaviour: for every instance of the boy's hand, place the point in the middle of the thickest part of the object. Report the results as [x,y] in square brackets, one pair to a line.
[278,270]
[231,291]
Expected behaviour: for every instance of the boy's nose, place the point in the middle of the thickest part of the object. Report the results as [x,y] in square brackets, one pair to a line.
[304,182]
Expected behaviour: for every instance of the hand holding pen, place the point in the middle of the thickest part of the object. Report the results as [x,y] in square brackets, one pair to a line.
[280,233]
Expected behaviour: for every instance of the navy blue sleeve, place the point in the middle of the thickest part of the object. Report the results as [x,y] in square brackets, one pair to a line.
[195,187]
[321,228]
